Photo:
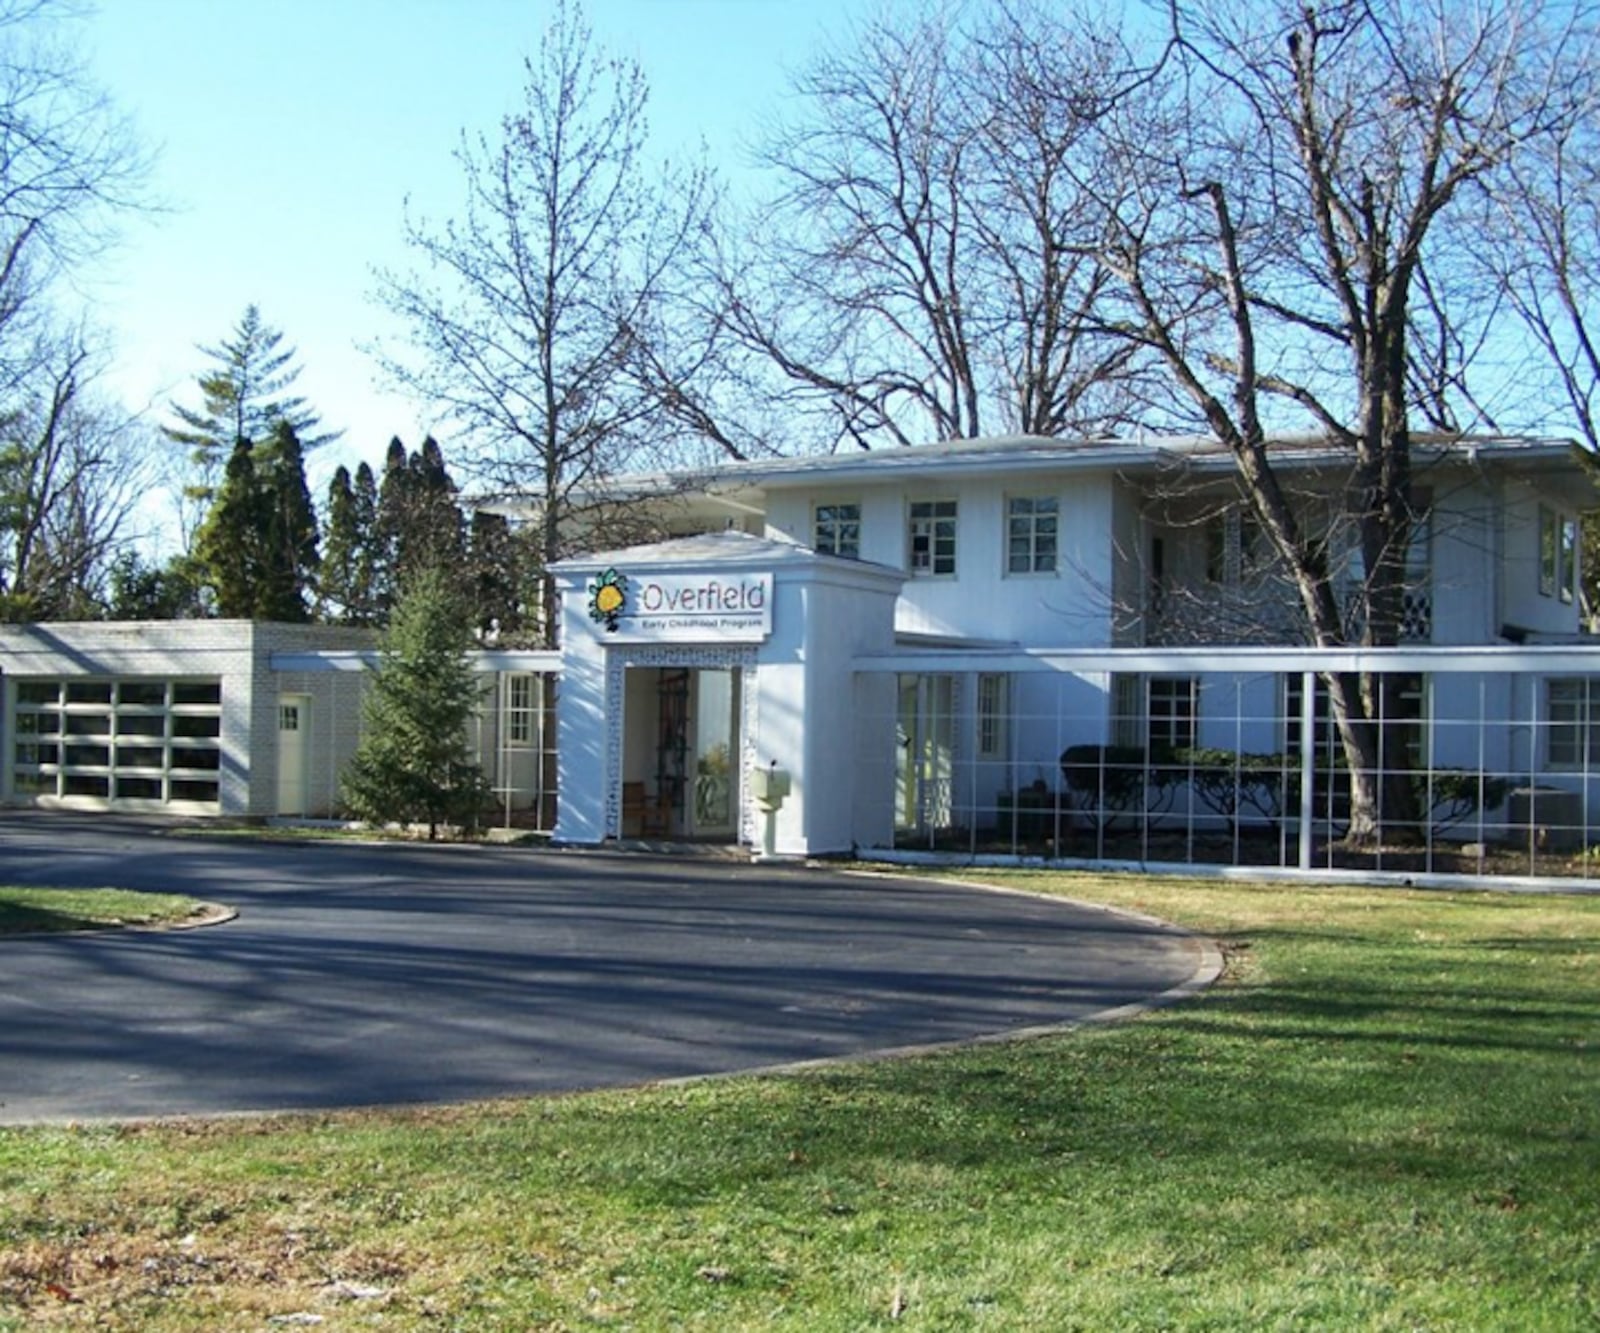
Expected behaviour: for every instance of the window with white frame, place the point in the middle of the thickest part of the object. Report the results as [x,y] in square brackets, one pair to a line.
[993,714]
[931,538]
[521,710]
[1032,527]
[836,530]
[1572,738]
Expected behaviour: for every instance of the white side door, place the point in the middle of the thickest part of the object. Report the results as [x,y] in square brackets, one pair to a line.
[294,725]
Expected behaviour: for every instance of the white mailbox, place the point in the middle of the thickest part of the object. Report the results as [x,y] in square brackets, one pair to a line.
[769,786]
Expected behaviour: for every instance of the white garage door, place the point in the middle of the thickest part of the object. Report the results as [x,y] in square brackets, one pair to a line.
[134,744]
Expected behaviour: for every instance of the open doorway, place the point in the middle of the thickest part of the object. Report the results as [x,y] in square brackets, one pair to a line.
[680,769]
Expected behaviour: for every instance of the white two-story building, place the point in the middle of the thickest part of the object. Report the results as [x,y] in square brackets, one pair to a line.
[940,627]
[1078,648]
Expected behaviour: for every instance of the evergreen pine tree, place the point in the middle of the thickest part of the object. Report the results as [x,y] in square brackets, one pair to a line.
[348,556]
[229,548]
[340,543]
[258,546]
[142,591]
[504,575]
[289,552]
[419,523]
[412,764]
[435,532]
[243,398]
[367,572]
[393,505]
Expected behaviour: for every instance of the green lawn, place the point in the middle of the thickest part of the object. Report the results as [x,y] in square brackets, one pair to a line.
[31,910]
[1386,1116]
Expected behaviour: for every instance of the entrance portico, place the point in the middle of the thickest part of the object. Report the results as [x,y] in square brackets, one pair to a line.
[689,662]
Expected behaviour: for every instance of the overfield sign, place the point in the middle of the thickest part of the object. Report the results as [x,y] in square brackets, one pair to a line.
[657,608]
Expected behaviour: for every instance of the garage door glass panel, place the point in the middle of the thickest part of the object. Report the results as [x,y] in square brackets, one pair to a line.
[191,726]
[206,693]
[142,725]
[140,756]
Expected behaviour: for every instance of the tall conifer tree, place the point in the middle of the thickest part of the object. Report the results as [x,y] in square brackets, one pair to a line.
[243,397]
[349,558]
[413,764]
[229,545]
[419,523]
[290,559]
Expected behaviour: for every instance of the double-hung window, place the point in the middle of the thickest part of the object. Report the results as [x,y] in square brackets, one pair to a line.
[836,530]
[1032,527]
[931,538]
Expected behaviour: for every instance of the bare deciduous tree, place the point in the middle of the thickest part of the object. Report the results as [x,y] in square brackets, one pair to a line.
[531,312]
[1538,244]
[922,272]
[69,166]
[71,474]
[1294,165]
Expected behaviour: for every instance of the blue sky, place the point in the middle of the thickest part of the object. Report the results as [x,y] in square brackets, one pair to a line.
[289,135]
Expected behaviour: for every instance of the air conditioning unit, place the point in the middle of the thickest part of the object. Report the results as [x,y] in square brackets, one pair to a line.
[1548,818]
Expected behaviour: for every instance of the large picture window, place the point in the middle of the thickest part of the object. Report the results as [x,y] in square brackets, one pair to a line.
[932,538]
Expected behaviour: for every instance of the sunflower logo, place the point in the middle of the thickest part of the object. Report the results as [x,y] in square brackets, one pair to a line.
[608,595]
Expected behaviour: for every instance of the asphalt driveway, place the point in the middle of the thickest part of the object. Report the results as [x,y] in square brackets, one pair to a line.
[361,975]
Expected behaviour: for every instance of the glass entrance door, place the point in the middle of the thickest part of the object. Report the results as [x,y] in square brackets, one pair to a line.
[714,813]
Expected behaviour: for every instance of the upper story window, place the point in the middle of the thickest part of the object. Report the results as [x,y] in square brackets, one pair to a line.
[1567,582]
[1032,525]
[932,537]
[1558,555]
[836,530]
[1236,548]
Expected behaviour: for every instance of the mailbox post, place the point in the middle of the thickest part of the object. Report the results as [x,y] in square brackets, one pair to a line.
[769,787]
